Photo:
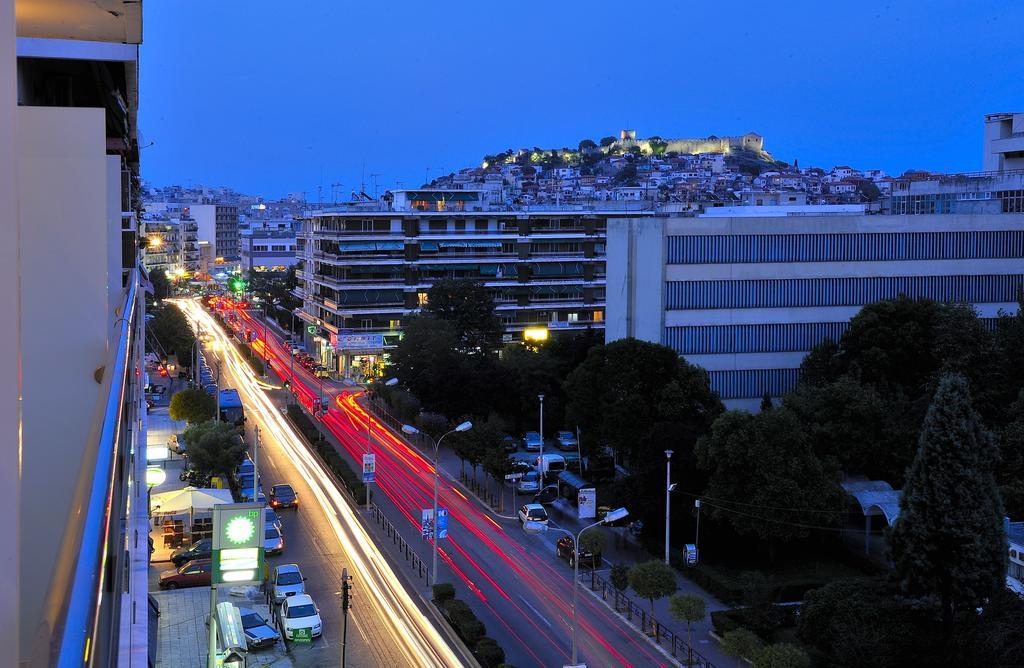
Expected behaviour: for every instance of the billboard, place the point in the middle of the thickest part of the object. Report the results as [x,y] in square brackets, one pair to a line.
[360,342]
[586,501]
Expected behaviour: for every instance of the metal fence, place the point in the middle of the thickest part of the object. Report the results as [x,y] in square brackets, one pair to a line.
[391,531]
[633,612]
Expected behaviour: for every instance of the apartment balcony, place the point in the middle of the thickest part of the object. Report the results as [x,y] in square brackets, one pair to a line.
[337,259]
[1012,144]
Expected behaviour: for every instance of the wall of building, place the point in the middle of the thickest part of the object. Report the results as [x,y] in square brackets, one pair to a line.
[62,177]
[746,298]
[1003,142]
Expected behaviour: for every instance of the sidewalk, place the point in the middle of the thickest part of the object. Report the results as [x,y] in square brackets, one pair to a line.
[621,548]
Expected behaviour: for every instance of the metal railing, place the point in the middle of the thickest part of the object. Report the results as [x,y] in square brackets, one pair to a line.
[84,597]
[417,564]
[663,635]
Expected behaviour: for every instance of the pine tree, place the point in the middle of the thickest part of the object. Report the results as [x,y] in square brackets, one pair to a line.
[948,544]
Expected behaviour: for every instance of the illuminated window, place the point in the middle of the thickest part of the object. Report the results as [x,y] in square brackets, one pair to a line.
[394,324]
[573,317]
[422,298]
[598,316]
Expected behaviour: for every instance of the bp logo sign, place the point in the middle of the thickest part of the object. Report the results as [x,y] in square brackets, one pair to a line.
[238,543]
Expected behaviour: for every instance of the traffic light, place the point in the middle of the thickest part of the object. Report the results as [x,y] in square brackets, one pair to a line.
[237,285]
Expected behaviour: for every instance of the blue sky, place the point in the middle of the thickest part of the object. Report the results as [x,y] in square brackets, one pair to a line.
[271,97]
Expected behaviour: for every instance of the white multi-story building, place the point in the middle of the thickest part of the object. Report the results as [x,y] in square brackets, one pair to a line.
[746,297]
[268,246]
[1004,142]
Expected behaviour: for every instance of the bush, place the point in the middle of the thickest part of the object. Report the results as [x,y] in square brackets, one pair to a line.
[762,621]
[465,623]
[782,655]
[444,592]
[489,653]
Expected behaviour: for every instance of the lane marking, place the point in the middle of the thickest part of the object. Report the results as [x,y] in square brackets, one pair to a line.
[535,611]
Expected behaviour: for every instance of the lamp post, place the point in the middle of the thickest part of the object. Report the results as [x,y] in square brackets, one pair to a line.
[531,527]
[541,468]
[668,506]
[409,429]
[369,429]
[291,355]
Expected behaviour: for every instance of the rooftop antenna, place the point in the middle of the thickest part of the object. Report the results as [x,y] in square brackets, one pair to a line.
[374,177]
[362,179]
[335,188]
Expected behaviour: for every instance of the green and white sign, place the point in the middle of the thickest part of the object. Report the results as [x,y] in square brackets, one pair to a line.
[302,635]
[238,543]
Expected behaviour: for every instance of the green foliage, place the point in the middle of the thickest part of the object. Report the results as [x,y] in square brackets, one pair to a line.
[740,643]
[949,546]
[489,653]
[687,608]
[444,591]
[275,288]
[433,425]
[854,623]
[652,580]
[608,141]
[626,390]
[469,307]
[214,447]
[658,145]
[765,463]
[594,541]
[586,145]
[619,577]
[781,655]
[161,285]
[170,328]
[466,624]
[193,405]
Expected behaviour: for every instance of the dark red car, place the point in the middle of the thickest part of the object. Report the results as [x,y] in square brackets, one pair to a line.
[196,573]
[564,549]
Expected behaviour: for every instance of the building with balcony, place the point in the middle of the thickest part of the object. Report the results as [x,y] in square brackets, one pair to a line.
[747,297]
[365,267]
[1004,142]
[268,246]
[216,224]
[71,473]
[176,251]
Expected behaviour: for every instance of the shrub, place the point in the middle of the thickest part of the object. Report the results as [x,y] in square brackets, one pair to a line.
[489,653]
[444,592]
[782,655]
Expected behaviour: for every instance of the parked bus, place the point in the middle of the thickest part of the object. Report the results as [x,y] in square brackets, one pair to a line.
[231,407]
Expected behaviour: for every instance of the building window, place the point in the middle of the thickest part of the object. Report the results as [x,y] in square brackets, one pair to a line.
[572,317]
[598,316]
[367,323]
[394,324]
[421,298]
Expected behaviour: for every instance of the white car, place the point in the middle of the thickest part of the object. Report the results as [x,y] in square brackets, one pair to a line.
[287,581]
[299,612]
[530,482]
[533,512]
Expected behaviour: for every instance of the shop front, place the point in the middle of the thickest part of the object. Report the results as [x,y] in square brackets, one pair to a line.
[361,356]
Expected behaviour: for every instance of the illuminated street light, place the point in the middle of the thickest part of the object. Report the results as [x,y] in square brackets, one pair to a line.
[409,429]
[538,527]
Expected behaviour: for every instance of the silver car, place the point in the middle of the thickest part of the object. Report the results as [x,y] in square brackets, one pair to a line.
[287,581]
[273,541]
[530,482]
[258,633]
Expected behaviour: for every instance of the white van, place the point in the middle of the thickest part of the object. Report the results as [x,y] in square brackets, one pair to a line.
[549,463]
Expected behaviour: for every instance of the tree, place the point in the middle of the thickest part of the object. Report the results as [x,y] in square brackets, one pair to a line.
[425,362]
[161,285]
[193,405]
[172,332]
[433,425]
[214,447]
[608,141]
[652,580]
[741,644]
[948,546]
[586,145]
[593,541]
[619,577]
[767,481]
[625,390]
[781,655]
[687,608]
[469,307]
[766,402]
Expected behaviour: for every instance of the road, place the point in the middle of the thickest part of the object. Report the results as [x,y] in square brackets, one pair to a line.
[518,588]
[387,626]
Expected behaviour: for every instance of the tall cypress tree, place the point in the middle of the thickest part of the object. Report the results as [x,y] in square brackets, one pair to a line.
[948,544]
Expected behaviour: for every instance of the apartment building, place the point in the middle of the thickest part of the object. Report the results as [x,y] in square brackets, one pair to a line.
[268,246]
[747,297]
[367,266]
[176,252]
[217,224]
[1004,142]
[74,591]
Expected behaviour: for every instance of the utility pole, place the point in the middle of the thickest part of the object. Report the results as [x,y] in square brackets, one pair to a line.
[668,505]
[256,464]
[346,603]
[541,461]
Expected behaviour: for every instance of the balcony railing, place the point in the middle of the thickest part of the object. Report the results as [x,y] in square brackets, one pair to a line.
[85,617]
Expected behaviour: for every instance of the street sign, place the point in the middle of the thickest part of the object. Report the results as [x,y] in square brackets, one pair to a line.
[692,555]
[427,522]
[312,329]
[369,468]
[514,476]
[302,635]
[238,543]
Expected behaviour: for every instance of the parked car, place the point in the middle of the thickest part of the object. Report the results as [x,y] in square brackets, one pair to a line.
[564,550]
[259,634]
[530,482]
[547,495]
[533,441]
[270,518]
[299,612]
[196,573]
[549,463]
[509,442]
[273,541]
[533,512]
[287,581]
[321,372]
[572,462]
[566,440]
[283,496]
[177,444]
[201,549]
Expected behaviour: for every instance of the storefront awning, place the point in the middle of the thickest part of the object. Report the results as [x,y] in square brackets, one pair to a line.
[471,244]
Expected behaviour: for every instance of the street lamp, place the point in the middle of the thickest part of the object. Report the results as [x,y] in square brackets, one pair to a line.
[541,467]
[537,527]
[409,429]
[369,428]
[668,491]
